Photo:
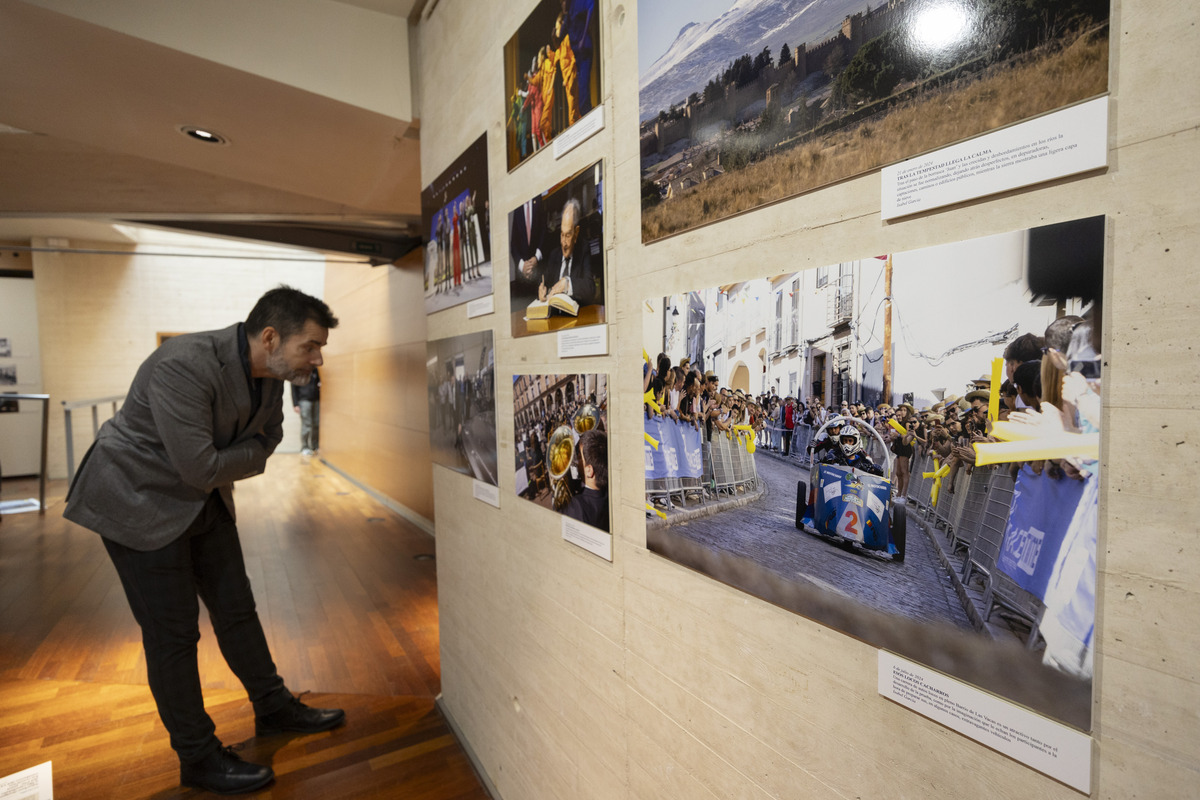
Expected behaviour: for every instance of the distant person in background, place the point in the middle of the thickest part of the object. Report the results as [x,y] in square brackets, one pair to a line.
[306,401]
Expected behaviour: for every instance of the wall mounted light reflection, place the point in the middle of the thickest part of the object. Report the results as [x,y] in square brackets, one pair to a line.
[941,26]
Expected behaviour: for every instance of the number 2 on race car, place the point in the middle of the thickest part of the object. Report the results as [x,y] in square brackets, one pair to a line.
[848,524]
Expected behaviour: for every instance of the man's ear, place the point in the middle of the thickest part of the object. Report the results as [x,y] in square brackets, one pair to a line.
[269,338]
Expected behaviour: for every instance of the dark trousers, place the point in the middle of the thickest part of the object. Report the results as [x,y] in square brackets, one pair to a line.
[162,586]
[787,440]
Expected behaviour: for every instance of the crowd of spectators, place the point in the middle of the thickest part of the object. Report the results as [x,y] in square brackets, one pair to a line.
[1058,368]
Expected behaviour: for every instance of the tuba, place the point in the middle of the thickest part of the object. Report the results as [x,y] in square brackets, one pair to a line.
[586,418]
[560,452]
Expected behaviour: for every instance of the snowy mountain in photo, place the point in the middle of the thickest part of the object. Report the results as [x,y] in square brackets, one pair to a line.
[703,49]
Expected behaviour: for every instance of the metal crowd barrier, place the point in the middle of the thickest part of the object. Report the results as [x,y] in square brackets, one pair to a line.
[801,437]
[974,518]
[732,467]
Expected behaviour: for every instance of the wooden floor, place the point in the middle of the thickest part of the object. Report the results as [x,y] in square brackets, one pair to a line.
[347,594]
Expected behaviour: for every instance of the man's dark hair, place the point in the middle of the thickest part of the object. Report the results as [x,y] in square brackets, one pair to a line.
[1024,348]
[287,310]
[1058,333]
[593,446]
[1028,377]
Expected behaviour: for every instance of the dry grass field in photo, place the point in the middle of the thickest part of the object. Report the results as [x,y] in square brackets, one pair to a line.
[1037,83]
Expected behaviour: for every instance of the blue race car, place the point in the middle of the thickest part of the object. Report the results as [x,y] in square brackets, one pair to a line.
[852,500]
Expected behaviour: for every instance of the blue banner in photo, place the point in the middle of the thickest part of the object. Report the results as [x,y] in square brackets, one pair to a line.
[679,450]
[1042,508]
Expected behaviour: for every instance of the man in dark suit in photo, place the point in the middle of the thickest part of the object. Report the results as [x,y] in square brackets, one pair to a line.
[204,410]
[569,269]
[525,240]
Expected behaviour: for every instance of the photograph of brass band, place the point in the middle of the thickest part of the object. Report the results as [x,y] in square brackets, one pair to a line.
[561,435]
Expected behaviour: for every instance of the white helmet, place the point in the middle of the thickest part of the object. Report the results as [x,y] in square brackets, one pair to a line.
[849,441]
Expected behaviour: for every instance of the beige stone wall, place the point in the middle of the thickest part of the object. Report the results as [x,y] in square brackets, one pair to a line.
[575,678]
[98,317]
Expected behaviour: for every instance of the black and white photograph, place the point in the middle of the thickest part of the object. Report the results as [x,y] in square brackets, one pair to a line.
[561,436]
[456,223]
[904,447]
[551,74]
[462,404]
[556,256]
[5,347]
[8,375]
[746,103]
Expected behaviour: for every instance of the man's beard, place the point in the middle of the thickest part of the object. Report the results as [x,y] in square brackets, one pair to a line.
[278,367]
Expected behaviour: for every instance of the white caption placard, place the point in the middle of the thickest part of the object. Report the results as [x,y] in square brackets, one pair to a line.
[591,539]
[35,783]
[583,129]
[1063,753]
[487,493]
[484,305]
[589,341]
[1064,143]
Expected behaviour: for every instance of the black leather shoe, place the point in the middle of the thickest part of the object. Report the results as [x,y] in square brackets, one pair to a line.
[297,717]
[224,772]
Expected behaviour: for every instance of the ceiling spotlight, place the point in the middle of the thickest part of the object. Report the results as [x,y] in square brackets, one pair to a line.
[203,134]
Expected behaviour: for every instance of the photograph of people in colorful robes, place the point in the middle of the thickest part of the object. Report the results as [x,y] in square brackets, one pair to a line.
[551,74]
[904,447]
[456,223]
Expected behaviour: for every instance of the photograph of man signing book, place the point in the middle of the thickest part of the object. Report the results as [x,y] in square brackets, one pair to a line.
[569,269]
[556,256]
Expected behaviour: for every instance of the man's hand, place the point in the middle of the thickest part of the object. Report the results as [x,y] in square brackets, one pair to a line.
[528,266]
[542,291]
[560,287]
[296,409]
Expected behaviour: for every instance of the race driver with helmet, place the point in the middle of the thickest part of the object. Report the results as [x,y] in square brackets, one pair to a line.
[841,444]
[849,451]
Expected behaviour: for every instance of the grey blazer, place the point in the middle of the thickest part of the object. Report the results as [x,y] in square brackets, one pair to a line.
[184,430]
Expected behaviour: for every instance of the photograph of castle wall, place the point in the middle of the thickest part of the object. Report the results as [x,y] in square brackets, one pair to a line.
[733,118]
[945,527]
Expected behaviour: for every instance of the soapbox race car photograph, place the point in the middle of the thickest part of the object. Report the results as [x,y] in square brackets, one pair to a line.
[850,500]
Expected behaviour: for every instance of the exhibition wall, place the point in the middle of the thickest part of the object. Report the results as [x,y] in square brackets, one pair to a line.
[572,676]
[99,316]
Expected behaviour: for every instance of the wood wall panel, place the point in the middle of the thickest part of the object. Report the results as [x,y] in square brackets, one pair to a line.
[374,406]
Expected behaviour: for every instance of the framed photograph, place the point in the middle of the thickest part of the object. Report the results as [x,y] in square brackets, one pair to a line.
[556,256]
[903,447]
[744,104]
[551,74]
[5,347]
[9,406]
[561,438]
[8,375]
[462,404]
[456,221]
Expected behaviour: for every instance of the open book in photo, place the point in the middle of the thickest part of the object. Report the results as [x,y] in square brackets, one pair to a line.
[540,309]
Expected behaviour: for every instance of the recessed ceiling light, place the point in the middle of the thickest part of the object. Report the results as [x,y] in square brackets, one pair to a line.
[205,135]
